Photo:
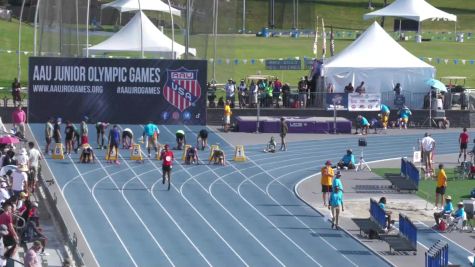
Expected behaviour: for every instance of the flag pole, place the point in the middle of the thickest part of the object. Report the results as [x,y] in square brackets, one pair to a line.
[315,42]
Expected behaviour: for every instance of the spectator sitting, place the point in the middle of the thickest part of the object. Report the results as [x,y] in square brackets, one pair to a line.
[218,157]
[271,146]
[382,204]
[348,161]
[360,89]
[180,139]
[460,217]
[448,209]
[87,154]
[191,155]
[349,88]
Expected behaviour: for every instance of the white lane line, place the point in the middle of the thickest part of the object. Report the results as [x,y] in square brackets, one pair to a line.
[233,217]
[66,202]
[201,215]
[444,236]
[135,212]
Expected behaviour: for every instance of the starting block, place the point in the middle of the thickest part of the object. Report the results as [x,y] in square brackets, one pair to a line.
[239,153]
[185,148]
[211,150]
[159,152]
[113,155]
[58,152]
[136,153]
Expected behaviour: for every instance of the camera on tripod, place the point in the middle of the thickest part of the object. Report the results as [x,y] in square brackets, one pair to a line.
[362,142]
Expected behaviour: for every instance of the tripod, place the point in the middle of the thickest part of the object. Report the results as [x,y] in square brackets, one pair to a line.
[361,162]
[430,120]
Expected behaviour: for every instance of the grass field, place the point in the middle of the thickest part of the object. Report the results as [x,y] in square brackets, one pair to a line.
[458,189]
[344,15]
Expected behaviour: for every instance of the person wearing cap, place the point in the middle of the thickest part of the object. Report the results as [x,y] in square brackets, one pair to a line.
[326,181]
[31,256]
[427,149]
[284,129]
[19,179]
[363,124]
[347,161]
[6,218]
[460,217]
[180,139]
[448,209]
[335,203]
[404,114]
[441,187]
[242,91]
[34,163]
[337,181]
[48,134]
[127,138]
[150,135]
[22,158]
[230,89]
[202,139]
[227,116]
[4,194]
[167,162]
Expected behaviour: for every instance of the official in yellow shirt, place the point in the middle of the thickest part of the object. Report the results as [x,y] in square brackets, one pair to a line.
[227,115]
[326,181]
[441,186]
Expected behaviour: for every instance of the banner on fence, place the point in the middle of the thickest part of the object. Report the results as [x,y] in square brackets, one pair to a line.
[287,64]
[337,100]
[364,102]
[130,91]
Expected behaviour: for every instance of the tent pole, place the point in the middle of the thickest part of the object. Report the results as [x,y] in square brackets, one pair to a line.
[19,42]
[173,29]
[215,35]
[87,25]
[77,28]
[141,31]
[455,30]
[35,33]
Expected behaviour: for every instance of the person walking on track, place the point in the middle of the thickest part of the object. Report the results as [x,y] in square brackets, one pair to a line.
[284,128]
[326,181]
[463,141]
[150,136]
[167,162]
[427,148]
[335,203]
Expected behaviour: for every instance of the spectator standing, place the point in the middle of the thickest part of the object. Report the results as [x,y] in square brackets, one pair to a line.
[302,87]
[463,141]
[6,218]
[276,92]
[150,135]
[3,232]
[253,92]
[335,204]
[230,88]
[326,181]
[349,89]
[427,148]
[360,89]
[441,186]
[19,179]
[242,90]
[268,94]
[397,89]
[286,95]
[31,257]
[23,158]
[16,95]
[114,140]
[35,157]
[19,120]
[447,210]
[284,129]
[227,116]
[167,162]
[48,134]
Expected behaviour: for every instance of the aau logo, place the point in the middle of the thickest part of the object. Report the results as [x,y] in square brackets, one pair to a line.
[182,88]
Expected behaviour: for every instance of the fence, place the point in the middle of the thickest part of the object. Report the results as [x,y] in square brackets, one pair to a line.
[437,255]
[408,229]
[413,173]
[377,213]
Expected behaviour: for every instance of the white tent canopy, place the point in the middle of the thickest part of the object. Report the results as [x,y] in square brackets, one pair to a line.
[418,10]
[128,39]
[133,5]
[380,62]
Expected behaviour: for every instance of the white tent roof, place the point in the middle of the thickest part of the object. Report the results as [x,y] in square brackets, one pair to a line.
[128,39]
[133,5]
[418,10]
[375,49]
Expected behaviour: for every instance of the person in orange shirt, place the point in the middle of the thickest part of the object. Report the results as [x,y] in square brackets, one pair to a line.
[227,116]
[441,187]
[326,181]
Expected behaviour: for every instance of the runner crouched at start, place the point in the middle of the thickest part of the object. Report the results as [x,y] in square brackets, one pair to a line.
[127,138]
[191,156]
[180,139]
[271,146]
[87,154]
[218,157]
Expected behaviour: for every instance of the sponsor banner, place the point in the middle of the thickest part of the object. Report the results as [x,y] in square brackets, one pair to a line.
[287,64]
[337,100]
[130,91]
[364,102]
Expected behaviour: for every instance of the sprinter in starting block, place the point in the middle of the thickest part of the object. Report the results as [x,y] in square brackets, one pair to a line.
[191,156]
[87,154]
[218,157]
[271,146]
